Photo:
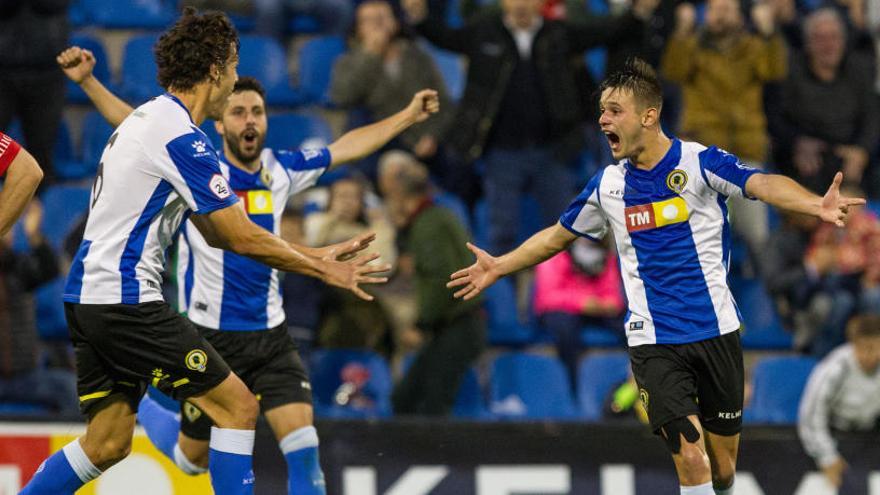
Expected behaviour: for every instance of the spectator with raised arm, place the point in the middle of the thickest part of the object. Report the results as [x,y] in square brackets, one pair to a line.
[723,65]
[521,114]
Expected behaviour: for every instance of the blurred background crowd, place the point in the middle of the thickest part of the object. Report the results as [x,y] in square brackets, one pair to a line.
[789,86]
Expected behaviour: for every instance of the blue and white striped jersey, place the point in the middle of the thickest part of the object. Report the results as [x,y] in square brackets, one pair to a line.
[226,291]
[157,168]
[673,237]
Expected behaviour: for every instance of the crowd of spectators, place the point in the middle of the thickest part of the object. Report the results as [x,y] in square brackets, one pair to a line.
[786,86]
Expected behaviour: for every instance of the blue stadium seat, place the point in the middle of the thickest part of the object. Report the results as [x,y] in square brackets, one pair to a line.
[316,59]
[594,336]
[328,370]
[453,203]
[596,60]
[295,130]
[96,132]
[128,14]
[63,206]
[874,206]
[469,402]
[65,162]
[504,325]
[138,79]
[101,70]
[263,58]
[597,374]
[778,383]
[530,386]
[450,66]
[761,326]
[49,308]
[303,24]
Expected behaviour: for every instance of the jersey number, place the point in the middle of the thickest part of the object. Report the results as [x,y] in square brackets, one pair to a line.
[98,186]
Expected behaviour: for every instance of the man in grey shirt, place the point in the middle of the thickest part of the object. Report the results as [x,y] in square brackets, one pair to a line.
[843,393]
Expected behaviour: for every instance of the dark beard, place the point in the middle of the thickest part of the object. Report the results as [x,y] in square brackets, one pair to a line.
[234,148]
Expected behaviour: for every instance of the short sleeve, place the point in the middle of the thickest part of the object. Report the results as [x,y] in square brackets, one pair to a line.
[196,176]
[584,216]
[724,173]
[304,167]
[9,149]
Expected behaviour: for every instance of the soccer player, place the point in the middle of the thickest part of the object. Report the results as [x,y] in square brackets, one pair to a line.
[157,169]
[23,175]
[665,201]
[234,301]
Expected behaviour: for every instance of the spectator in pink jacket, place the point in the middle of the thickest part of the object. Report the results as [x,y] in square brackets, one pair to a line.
[578,287]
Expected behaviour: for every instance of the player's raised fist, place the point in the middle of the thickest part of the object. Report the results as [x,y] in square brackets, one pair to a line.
[423,104]
[76,63]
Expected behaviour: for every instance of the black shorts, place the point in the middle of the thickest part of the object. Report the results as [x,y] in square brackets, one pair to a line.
[700,378]
[122,348]
[267,362]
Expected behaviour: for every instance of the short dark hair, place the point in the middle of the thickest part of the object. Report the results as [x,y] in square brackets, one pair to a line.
[639,78]
[248,83]
[864,325]
[186,52]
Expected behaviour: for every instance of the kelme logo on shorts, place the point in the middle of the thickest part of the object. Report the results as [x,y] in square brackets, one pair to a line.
[197,360]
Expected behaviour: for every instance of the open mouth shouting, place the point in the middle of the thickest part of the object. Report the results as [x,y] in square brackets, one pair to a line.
[613,141]
[249,139]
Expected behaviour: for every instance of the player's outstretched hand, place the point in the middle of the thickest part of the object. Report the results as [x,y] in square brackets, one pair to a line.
[76,63]
[423,104]
[354,272]
[835,208]
[475,278]
[344,251]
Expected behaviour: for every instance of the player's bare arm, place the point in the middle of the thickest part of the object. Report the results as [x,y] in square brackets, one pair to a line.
[230,229]
[785,193]
[487,269]
[363,141]
[22,178]
[78,65]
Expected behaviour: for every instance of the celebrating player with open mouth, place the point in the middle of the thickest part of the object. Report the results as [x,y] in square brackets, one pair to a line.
[665,201]
[157,169]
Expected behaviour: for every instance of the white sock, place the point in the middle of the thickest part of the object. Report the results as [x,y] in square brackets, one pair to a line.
[704,489]
[725,491]
[299,439]
[232,441]
[185,464]
[80,462]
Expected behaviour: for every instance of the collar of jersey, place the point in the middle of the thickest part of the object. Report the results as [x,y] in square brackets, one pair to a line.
[237,176]
[176,100]
[669,161]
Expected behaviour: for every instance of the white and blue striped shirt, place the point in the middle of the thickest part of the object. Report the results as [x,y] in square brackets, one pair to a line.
[673,237]
[226,291]
[157,168]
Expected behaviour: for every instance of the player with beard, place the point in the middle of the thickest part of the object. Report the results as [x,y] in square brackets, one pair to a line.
[234,301]
[666,202]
